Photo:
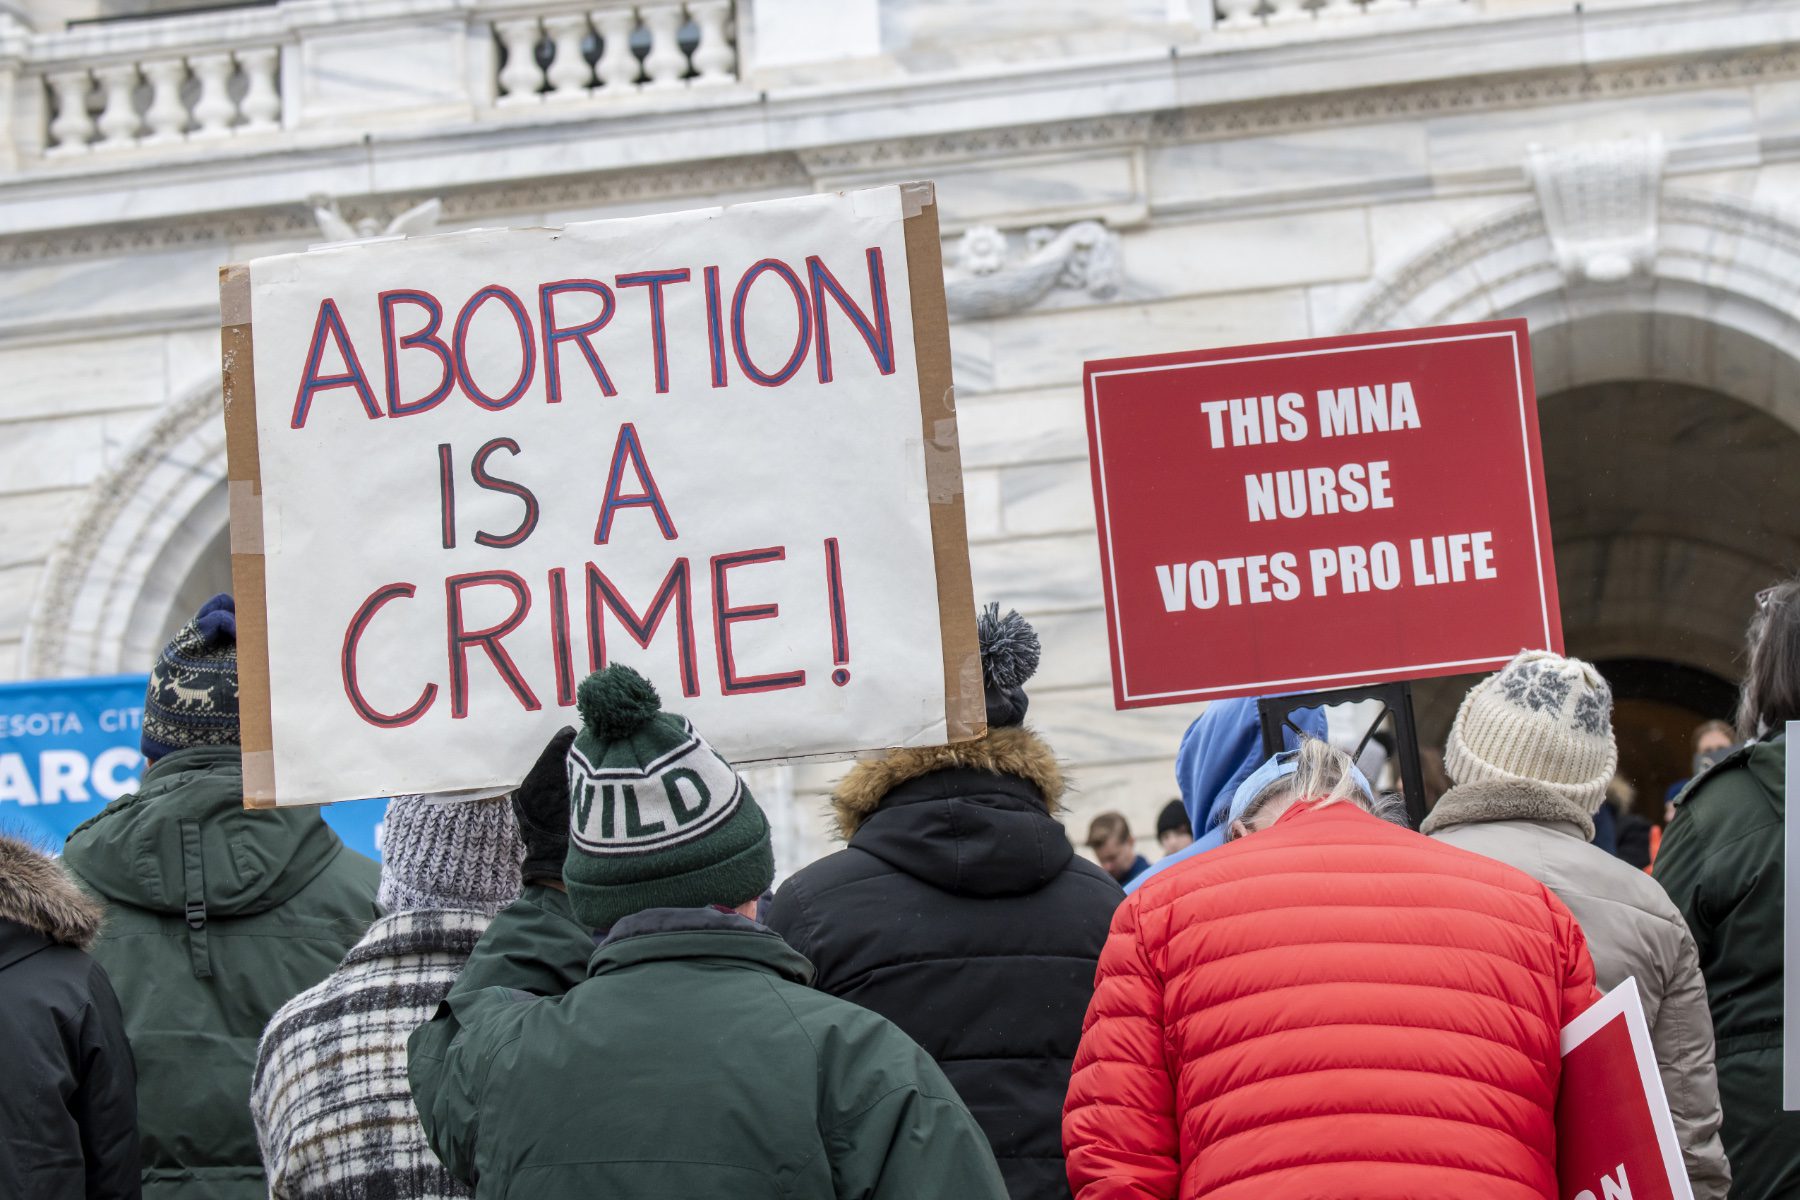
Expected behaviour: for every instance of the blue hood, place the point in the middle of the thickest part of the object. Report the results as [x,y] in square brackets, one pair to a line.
[1218,752]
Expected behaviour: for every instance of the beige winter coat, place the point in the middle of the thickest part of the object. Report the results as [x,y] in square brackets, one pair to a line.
[1633,930]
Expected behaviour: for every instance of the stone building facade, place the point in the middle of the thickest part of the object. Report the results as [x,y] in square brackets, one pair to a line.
[1136,176]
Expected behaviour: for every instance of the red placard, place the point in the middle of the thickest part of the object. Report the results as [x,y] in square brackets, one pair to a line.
[1615,1139]
[1320,514]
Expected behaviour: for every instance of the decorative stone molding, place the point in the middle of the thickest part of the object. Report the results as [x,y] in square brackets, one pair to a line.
[1599,202]
[420,218]
[802,170]
[1719,289]
[300,223]
[146,521]
[983,283]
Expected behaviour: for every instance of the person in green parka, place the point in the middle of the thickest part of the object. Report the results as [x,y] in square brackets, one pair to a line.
[691,1058]
[1723,861]
[216,916]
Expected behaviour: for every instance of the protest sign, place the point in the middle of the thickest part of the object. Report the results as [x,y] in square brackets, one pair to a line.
[1320,514]
[719,446]
[68,747]
[1615,1139]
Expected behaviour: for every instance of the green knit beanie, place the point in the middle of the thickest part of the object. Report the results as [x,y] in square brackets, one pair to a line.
[656,818]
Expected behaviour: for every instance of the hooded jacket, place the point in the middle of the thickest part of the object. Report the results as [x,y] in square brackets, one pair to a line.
[960,912]
[1722,863]
[216,916]
[1218,752]
[1632,929]
[1332,1006]
[68,1112]
[691,1060]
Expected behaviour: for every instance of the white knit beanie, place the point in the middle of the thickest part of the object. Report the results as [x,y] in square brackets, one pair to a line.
[1544,718]
[443,853]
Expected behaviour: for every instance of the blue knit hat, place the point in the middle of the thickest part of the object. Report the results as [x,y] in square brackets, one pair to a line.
[192,699]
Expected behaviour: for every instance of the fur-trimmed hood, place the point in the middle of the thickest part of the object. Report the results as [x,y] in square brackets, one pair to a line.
[37,893]
[1011,750]
[1506,800]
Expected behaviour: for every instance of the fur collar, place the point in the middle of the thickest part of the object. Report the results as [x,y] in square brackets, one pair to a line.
[1009,750]
[1506,800]
[36,892]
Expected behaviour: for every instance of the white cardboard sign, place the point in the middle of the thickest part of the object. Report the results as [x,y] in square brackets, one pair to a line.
[473,467]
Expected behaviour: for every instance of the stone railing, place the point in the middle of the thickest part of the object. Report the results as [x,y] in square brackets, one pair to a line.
[247,75]
[614,50]
[102,88]
[1237,16]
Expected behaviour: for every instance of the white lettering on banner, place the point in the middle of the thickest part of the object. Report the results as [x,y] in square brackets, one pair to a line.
[121,720]
[1352,488]
[1613,1189]
[65,776]
[40,724]
[15,781]
[1347,411]
[1301,492]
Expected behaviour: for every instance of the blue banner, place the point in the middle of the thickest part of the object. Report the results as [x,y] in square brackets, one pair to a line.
[70,746]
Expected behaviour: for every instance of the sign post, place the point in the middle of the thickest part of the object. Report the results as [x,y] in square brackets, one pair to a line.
[1396,701]
[719,446]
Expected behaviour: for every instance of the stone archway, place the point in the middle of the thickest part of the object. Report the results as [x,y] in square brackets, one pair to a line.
[154,531]
[1647,379]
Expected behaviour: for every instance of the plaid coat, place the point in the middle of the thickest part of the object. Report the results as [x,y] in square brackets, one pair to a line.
[333,1113]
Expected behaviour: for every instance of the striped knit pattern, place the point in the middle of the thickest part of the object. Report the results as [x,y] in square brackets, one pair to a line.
[333,1112]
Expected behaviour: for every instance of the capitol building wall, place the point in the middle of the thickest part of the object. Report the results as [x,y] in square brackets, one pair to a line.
[1112,179]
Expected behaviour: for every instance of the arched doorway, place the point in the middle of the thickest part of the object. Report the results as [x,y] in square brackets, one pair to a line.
[1659,554]
[1669,404]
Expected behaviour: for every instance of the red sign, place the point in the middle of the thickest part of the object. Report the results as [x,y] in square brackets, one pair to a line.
[1320,514]
[1615,1139]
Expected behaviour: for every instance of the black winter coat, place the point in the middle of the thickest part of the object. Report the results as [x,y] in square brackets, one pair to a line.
[960,912]
[68,1109]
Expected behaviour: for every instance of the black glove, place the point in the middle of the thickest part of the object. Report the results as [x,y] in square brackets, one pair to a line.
[542,806]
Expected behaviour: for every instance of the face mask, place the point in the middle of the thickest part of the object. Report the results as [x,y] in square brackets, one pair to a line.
[1706,758]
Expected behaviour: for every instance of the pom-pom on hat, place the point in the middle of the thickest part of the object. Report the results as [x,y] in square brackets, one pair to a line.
[1543,718]
[1009,658]
[656,818]
[192,699]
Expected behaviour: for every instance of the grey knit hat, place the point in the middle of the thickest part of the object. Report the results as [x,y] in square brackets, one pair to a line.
[443,853]
[1544,718]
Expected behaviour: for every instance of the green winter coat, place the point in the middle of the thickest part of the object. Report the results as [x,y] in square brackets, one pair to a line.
[692,1060]
[215,917]
[1722,862]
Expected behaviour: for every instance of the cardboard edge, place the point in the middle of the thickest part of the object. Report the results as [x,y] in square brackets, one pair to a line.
[965,702]
[237,368]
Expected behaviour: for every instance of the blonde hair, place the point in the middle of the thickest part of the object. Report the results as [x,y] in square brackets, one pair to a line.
[1323,777]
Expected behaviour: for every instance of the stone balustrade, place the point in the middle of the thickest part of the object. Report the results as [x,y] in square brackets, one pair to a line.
[613,50]
[1237,16]
[248,75]
[161,100]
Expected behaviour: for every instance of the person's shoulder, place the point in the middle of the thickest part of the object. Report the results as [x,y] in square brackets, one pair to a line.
[352,871]
[1091,877]
[837,869]
[1720,801]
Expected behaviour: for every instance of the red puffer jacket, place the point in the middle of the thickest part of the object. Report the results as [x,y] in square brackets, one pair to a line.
[1334,1006]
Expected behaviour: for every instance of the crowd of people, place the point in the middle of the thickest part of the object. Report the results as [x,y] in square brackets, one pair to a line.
[589,986]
